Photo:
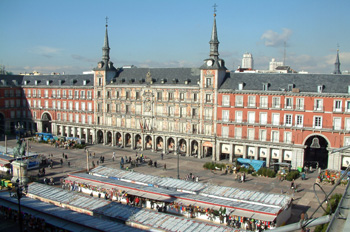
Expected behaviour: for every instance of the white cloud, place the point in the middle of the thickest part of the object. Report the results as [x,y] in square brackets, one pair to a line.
[273,39]
[45,51]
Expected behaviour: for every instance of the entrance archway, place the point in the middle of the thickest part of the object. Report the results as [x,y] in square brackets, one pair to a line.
[182,146]
[171,145]
[127,140]
[148,142]
[119,140]
[159,142]
[316,153]
[109,137]
[99,136]
[138,141]
[46,123]
[194,150]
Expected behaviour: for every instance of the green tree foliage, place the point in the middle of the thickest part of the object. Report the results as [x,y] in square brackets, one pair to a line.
[331,207]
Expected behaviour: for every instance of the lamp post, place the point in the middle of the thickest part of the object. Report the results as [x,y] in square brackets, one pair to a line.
[20,191]
[178,163]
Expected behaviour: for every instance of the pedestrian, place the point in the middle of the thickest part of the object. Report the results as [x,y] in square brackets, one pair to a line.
[164,167]
[43,171]
[93,164]
[161,155]
[155,164]
[63,155]
[292,184]
[113,156]
[66,156]
[61,161]
[197,179]
[68,164]
[94,155]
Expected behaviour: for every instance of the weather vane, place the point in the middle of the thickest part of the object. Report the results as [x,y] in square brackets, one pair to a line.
[215,9]
[106,21]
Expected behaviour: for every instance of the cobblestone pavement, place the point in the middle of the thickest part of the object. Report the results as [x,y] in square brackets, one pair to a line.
[304,199]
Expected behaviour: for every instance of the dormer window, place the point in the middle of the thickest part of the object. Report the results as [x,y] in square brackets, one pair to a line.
[36,82]
[348,89]
[265,86]
[290,87]
[208,82]
[240,86]
[84,82]
[319,88]
[47,82]
[25,82]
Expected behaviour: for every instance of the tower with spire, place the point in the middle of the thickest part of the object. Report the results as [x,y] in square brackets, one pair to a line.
[105,71]
[337,64]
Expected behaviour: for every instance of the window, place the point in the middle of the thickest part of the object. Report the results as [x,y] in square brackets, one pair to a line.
[275,119]
[170,96]
[34,93]
[117,108]
[70,105]
[194,112]
[317,122]
[288,120]
[83,119]
[98,94]
[288,137]
[53,93]
[208,82]
[182,96]
[225,115]
[207,129]
[300,104]
[239,101]
[127,110]
[90,119]
[251,117]
[336,123]
[171,111]
[159,110]
[183,112]
[89,106]
[58,93]
[58,105]
[318,105]
[263,118]
[28,92]
[265,86]
[240,86]
[225,131]
[159,96]
[347,124]
[239,116]
[346,141]
[251,101]
[288,103]
[194,129]
[251,133]
[337,106]
[76,105]
[39,93]
[83,106]
[262,135]
[347,106]
[46,104]
[46,93]
[77,118]
[89,94]
[99,107]
[82,94]
[276,102]
[71,117]
[137,95]
[225,100]
[319,88]
[208,113]
[238,132]
[76,94]
[58,116]
[195,97]
[208,98]
[275,136]
[263,102]
[64,93]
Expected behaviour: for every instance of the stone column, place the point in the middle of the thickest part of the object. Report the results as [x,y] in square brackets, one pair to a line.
[93,132]
[256,154]
[188,146]
[132,140]
[231,153]
[280,159]
[175,148]
[74,131]
[244,152]
[113,138]
[200,149]
[165,147]
[268,156]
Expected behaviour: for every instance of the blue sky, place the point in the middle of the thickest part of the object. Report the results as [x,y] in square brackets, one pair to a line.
[66,35]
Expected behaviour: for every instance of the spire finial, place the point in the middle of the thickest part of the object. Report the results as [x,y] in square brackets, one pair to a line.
[106,21]
[214,6]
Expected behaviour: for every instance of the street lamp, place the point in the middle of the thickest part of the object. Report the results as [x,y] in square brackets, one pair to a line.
[20,191]
[178,162]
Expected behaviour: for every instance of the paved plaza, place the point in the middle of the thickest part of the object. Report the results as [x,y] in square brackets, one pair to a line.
[304,199]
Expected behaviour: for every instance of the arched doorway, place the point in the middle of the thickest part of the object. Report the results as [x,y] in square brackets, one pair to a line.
[119,140]
[138,141]
[171,145]
[127,140]
[316,153]
[99,136]
[46,123]
[182,146]
[159,142]
[109,137]
[148,142]
[194,150]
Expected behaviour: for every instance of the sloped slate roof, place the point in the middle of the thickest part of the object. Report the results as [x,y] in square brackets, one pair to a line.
[157,74]
[307,83]
[54,80]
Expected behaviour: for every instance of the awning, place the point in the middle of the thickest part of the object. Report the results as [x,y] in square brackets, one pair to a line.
[242,213]
[264,217]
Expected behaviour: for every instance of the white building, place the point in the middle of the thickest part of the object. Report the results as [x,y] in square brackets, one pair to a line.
[247,61]
[274,64]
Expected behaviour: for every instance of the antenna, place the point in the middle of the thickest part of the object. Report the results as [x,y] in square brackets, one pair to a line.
[214,6]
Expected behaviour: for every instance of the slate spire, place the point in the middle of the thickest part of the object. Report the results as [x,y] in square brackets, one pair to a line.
[214,42]
[337,64]
[105,48]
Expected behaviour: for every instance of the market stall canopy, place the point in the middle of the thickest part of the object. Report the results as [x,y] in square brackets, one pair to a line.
[256,164]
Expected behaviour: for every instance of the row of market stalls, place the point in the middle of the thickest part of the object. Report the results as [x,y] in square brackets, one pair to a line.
[184,198]
[57,218]
[134,217]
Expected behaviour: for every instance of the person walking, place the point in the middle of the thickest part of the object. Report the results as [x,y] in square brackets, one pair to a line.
[164,167]
[113,157]
[161,155]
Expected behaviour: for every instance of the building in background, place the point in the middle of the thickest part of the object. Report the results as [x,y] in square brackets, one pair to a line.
[247,61]
[199,112]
